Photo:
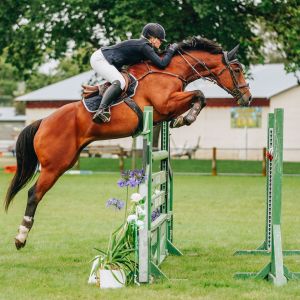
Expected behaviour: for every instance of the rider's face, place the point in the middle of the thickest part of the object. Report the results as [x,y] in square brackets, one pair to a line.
[155,42]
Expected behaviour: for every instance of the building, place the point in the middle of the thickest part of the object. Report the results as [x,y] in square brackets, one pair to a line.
[10,127]
[238,133]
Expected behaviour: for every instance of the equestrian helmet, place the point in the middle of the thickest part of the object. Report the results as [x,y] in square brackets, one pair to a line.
[154,30]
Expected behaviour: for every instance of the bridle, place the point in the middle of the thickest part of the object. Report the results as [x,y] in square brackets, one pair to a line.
[236,92]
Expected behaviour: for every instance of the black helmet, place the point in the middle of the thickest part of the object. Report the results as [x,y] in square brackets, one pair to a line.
[154,30]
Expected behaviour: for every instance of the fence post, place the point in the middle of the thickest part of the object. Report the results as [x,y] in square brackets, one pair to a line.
[121,159]
[214,162]
[133,154]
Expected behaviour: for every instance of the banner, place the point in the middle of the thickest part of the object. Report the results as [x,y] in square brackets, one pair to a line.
[249,117]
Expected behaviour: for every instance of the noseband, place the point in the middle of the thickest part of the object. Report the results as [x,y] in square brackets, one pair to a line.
[236,92]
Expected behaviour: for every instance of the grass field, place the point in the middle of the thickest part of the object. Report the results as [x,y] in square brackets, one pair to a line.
[197,166]
[214,216]
[190,166]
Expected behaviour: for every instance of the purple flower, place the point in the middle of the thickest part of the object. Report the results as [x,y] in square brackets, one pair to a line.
[133,182]
[140,175]
[155,214]
[113,202]
[132,178]
[122,183]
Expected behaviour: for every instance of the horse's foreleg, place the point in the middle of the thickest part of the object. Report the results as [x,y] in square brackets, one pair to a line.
[197,101]
[198,105]
[35,194]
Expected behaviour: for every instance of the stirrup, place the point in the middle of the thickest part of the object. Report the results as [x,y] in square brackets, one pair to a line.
[102,116]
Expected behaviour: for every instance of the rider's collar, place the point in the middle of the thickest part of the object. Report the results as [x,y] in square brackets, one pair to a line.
[143,37]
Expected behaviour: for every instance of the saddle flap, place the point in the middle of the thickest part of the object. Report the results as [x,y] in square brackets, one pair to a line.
[92,95]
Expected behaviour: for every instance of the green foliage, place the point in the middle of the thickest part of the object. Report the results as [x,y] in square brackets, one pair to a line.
[282,19]
[38,29]
[120,252]
[67,67]
[8,82]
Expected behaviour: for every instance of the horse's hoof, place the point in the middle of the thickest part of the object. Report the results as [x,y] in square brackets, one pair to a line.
[178,122]
[19,244]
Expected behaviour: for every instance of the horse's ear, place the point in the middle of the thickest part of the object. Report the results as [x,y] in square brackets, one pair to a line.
[232,53]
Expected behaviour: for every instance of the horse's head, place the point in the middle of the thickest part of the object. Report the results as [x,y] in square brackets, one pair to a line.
[231,78]
[222,67]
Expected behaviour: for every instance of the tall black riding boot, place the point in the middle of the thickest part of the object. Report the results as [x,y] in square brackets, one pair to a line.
[103,112]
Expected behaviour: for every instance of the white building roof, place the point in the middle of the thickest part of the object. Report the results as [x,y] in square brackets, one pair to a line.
[267,81]
[68,89]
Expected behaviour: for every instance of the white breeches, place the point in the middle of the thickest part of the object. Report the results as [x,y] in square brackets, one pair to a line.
[104,69]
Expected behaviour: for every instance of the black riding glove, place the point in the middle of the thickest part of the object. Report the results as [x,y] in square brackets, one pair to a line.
[173,47]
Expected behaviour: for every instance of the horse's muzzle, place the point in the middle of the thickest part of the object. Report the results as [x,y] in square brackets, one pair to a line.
[245,100]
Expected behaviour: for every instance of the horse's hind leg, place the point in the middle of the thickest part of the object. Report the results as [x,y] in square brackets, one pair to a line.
[35,194]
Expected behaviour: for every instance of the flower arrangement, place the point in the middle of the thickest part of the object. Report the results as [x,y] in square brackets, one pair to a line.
[121,249]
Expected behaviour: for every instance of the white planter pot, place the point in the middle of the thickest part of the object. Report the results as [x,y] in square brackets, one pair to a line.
[108,280]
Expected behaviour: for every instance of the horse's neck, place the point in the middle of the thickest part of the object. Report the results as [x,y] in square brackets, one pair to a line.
[185,66]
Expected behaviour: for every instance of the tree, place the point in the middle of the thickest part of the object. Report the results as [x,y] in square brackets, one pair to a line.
[281,20]
[8,82]
[39,29]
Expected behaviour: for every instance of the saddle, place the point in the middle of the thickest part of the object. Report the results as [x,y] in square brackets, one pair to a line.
[92,96]
[91,91]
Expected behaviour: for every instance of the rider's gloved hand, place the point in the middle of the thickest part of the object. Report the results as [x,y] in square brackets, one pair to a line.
[173,47]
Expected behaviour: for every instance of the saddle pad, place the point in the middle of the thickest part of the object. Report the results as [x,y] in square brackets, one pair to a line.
[92,104]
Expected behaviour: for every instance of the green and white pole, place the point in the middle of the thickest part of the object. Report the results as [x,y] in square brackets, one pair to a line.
[275,270]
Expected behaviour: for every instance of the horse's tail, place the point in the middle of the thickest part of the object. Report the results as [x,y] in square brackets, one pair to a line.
[27,161]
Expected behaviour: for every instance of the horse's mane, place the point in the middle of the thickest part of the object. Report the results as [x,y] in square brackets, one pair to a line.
[200,43]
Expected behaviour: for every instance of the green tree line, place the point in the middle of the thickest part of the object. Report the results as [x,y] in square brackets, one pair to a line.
[32,31]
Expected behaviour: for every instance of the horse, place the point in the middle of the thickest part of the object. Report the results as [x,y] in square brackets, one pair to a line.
[56,141]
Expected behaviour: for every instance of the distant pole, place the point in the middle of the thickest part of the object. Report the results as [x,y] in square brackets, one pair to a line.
[121,159]
[264,171]
[246,142]
[214,162]
[77,164]
[133,154]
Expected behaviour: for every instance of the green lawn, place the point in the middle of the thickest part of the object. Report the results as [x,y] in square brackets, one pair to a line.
[179,165]
[214,216]
[190,166]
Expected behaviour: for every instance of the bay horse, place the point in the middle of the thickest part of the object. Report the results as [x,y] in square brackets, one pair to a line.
[55,142]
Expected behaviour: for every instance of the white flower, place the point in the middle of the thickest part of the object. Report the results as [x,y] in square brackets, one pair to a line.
[140,224]
[131,218]
[140,211]
[136,197]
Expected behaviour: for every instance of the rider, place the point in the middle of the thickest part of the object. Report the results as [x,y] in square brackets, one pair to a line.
[107,62]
